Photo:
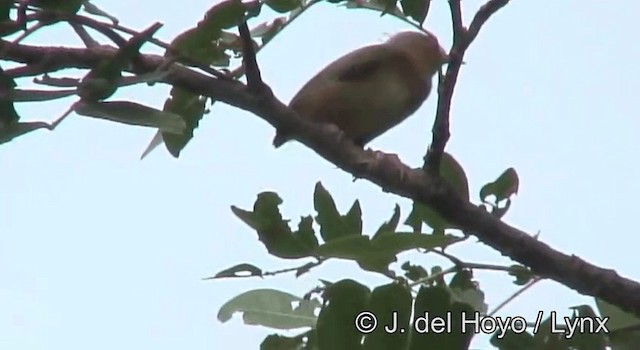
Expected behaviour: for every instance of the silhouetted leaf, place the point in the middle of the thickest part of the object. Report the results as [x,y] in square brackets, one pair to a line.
[522,274]
[416,9]
[391,225]
[240,270]
[131,113]
[391,304]
[271,308]
[414,272]
[274,232]
[343,301]
[332,224]
[283,6]
[95,10]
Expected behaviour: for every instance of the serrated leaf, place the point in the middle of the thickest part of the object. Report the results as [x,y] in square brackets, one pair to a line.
[192,108]
[271,308]
[414,272]
[132,113]
[274,232]
[333,225]
[391,225]
[240,270]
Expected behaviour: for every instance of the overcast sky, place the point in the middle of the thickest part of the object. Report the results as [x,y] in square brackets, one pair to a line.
[102,251]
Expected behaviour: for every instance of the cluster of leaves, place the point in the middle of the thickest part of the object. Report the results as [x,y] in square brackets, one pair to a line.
[416,294]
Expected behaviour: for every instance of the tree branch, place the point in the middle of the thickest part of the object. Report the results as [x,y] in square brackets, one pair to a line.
[462,38]
[418,185]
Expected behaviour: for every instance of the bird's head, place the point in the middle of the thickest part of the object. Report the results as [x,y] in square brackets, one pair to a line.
[424,48]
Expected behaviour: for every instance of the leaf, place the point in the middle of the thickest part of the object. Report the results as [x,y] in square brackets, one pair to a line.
[280,342]
[376,5]
[67,6]
[465,290]
[522,274]
[95,10]
[192,108]
[391,225]
[506,185]
[271,308]
[391,304]
[618,319]
[332,224]
[102,81]
[132,113]
[591,337]
[283,6]
[240,270]
[11,131]
[414,272]
[267,30]
[377,253]
[416,9]
[420,214]
[343,301]
[431,303]
[274,232]
[40,95]
[8,113]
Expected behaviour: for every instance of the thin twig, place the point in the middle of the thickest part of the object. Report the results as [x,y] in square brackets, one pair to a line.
[254,79]
[84,35]
[515,295]
[462,38]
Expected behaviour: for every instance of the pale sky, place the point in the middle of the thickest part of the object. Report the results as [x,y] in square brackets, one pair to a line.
[102,251]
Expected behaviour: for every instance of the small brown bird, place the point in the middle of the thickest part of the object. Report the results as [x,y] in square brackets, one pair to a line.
[372,89]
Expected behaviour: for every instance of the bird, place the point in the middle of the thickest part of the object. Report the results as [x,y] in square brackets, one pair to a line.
[372,89]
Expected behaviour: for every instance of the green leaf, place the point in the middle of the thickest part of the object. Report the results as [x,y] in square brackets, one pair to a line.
[391,225]
[280,342]
[8,113]
[240,270]
[95,10]
[267,30]
[414,272]
[435,302]
[505,186]
[283,6]
[513,341]
[465,290]
[102,81]
[618,319]
[11,131]
[416,9]
[421,214]
[131,113]
[192,108]
[377,253]
[522,274]
[40,95]
[332,224]
[343,301]
[591,337]
[274,232]
[377,5]
[391,304]
[271,308]
[5,10]
[66,6]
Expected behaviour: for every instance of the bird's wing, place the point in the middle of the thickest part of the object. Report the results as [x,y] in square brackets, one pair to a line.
[361,64]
